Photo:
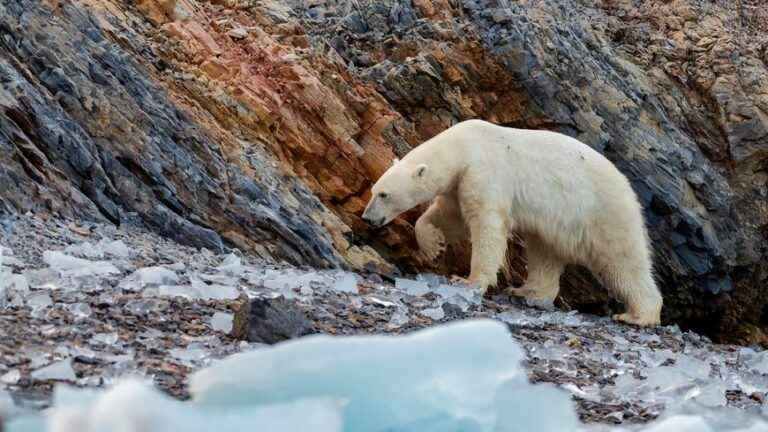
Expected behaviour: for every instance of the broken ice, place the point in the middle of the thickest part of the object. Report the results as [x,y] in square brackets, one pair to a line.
[79,310]
[104,247]
[199,290]
[105,338]
[156,275]
[463,376]
[59,371]
[347,282]
[460,391]
[222,322]
[399,317]
[11,377]
[39,301]
[189,356]
[435,314]
[232,265]
[73,266]
[412,287]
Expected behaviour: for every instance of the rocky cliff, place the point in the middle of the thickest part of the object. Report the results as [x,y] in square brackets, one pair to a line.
[261,124]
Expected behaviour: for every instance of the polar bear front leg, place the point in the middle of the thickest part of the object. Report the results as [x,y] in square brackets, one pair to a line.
[439,226]
[544,270]
[430,238]
[489,247]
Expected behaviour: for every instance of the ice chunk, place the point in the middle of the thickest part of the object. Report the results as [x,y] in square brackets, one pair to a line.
[11,377]
[518,318]
[157,275]
[346,282]
[105,338]
[220,279]
[284,282]
[45,278]
[59,371]
[7,258]
[72,266]
[80,310]
[199,290]
[692,366]
[412,287]
[116,248]
[4,252]
[559,416]
[432,280]
[548,305]
[145,306]
[39,301]
[399,317]
[712,395]
[7,406]
[380,301]
[190,355]
[680,423]
[461,302]
[756,361]
[448,375]
[11,285]
[232,265]
[13,282]
[184,291]
[568,319]
[152,411]
[435,313]
[469,295]
[222,322]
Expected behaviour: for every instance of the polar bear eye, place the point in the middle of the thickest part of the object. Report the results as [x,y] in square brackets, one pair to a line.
[383,195]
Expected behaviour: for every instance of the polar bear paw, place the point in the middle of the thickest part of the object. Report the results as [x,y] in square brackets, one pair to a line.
[633,319]
[475,286]
[431,241]
[534,298]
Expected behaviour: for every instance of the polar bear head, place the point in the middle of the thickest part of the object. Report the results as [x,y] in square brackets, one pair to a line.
[404,186]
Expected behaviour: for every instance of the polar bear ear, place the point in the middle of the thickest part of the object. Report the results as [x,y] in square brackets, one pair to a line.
[420,171]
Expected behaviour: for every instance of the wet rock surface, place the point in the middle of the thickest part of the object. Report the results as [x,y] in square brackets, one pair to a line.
[164,310]
[261,125]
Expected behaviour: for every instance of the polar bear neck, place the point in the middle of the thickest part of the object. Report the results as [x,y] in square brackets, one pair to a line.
[445,167]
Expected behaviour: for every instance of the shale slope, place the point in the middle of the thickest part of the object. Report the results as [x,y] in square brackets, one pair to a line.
[261,124]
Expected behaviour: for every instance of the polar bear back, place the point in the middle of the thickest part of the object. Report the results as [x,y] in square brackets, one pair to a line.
[546,180]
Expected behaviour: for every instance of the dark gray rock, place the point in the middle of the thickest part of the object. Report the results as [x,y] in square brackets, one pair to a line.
[695,153]
[274,320]
[84,131]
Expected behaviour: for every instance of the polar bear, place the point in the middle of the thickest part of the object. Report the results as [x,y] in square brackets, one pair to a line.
[570,204]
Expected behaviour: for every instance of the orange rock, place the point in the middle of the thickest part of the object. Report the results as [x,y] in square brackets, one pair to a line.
[202,36]
[176,30]
[160,12]
[354,205]
[156,11]
[215,69]
[436,9]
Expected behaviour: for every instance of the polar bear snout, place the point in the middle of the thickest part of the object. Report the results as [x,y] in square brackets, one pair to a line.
[375,222]
[373,214]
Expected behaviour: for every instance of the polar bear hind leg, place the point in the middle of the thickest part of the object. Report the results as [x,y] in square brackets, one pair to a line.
[638,291]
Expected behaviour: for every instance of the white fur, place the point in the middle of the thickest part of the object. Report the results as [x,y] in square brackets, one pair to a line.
[569,203]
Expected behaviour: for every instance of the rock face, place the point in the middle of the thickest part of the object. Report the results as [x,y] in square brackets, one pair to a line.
[261,124]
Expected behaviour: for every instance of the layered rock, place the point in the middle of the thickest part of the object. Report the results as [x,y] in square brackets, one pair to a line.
[261,124]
